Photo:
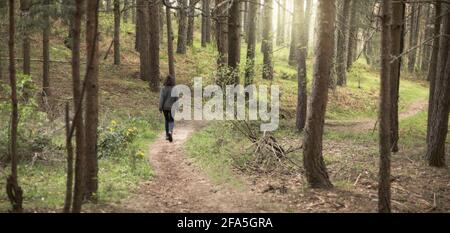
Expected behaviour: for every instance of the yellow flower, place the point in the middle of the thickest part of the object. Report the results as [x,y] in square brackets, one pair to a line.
[140,154]
[114,123]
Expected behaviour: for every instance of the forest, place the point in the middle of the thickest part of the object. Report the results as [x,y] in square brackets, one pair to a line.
[358,95]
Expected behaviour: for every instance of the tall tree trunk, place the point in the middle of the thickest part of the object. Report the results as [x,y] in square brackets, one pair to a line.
[301,70]
[162,17]
[191,25]
[432,71]
[116,32]
[170,38]
[46,51]
[428,31]
[91,100]
[154,45]
[108,5]
[133,11]
[206,23]
[221,14]
[397,38]
[144,56]
[439,116]
[267,43]
[137,44]
[316,172]
[293,49]
[234,36]
[353,33]
[126,5]
[342,43]
[25,6]
[414,34]
[384,186]
[251,43]
[80,159]
[13,189]
[182,30]
[281,20]
[69,179]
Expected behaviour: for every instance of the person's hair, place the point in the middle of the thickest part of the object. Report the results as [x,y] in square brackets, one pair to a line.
[170,81]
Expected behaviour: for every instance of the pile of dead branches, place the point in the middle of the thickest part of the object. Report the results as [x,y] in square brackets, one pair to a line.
[267,155]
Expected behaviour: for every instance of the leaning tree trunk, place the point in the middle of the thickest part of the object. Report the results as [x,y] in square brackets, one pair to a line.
[13,189]
[301,70]
[91,104]
[251,43]
[433,64]
[384,186]
[342,43]
[234,36]
[439,116]
[397,37]
[182,30]
[316,172]
[170,38]
[154,44]
[25,6]
[46,51]
[116,32]
[267,43]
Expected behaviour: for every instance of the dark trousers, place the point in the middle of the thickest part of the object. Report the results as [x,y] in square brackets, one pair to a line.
[169,121]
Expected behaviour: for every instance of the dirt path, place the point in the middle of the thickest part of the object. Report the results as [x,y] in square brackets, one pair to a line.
[180,186]
[370,123]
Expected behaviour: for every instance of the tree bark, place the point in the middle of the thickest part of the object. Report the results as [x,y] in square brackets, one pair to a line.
[281,20]
[397,38]
[80,159]
[293,49]
[182,30]
[316,172]
[384,186]
[267,43]
[353,33]
[170,38]
[234,36]
[144,54]
[221,14]
[154,45]
[251,43]
[414,34]
[46,51]
[206,23]
[432,71]
[91,104]
[342,43]
[190,27]
[13,189]
[126,5]
[301,70]
[25,6]
[439,116]
[116,32]
[69,179]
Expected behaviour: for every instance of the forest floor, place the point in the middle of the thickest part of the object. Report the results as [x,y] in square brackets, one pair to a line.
[179,185]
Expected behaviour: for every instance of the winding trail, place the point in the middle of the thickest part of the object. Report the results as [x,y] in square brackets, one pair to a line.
[180,186]
[365,124]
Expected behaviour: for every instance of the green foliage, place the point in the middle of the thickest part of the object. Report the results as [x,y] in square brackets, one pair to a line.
[115,138]
[31,138]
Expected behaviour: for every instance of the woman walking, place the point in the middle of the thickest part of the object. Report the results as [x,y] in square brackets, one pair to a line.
[166,101]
